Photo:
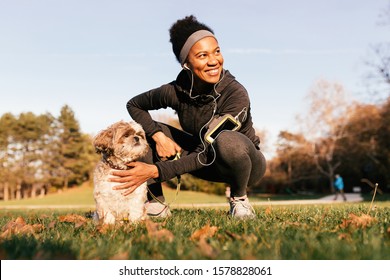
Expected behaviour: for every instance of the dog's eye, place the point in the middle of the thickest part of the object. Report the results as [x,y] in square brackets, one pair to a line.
[141,135]
[126,135]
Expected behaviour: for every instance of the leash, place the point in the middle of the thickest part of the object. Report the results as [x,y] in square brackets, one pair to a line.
[177,187]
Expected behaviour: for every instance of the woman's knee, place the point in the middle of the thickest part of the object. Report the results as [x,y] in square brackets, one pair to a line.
[233,144]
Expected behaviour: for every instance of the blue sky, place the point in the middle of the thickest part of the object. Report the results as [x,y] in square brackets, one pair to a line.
[94,55]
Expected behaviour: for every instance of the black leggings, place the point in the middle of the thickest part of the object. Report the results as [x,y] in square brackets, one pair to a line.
[237,163]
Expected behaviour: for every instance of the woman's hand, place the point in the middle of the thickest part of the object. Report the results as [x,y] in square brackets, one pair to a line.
[165,146]
[132,178]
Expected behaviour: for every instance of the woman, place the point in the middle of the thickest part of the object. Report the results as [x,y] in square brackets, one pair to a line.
[202,92]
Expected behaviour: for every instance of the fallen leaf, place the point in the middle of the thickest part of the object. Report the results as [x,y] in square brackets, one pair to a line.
[162,235]
[268,210]
[250,239]
[120,256]
[205,232]
[344,236]
[152,226]
[103,229]
[206,249]
[233,236]
[362,221]
[52,224]
[20,220]
[19,226]
[73,218]
[156,232]
[17,223]
[296,224]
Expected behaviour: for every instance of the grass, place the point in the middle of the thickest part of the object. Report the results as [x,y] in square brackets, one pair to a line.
[83,196]
[341,231]
[299,232]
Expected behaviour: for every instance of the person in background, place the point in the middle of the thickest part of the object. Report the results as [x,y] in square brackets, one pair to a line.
[339,187]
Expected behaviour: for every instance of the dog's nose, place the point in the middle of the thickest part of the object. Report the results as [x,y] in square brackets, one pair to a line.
[136,139]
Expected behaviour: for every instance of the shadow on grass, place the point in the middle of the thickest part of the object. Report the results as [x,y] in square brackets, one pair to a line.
[29,248]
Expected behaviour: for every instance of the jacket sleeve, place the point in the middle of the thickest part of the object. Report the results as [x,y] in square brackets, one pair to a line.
[170,169]
[158,98]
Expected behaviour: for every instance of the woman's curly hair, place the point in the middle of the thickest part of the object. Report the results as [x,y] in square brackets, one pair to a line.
[181,30]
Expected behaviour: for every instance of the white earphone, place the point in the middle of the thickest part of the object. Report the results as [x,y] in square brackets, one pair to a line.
[185,66]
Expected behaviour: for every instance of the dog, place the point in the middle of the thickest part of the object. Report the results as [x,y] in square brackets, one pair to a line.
[119,144]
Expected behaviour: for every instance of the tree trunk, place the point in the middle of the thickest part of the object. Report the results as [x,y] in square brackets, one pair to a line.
[18,192]
[34,188]
[6,191]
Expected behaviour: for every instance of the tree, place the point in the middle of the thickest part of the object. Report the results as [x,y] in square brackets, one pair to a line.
[7,122]
[294,159]
[383,140]
[40,151]
[324,125]
[378,77]
[74,149]
[23,141]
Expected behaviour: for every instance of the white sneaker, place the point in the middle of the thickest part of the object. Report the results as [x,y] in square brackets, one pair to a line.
[241,208]
[156,209]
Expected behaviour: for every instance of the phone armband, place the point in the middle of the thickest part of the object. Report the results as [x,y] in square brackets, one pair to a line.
[219,124]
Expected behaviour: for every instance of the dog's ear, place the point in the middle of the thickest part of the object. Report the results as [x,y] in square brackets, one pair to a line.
[103,141]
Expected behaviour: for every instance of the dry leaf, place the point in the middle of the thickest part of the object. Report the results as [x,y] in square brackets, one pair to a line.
[103,229]
[250,239]
[268,210]
[19,226]
[162,235]
[344,236]
[120,256]
[52,224]
[20,220]
[205,232]
[152,226]
[201,236]
[233,236]
[362,221]
[206,249]
[73,218]
[156,232]
[296,224]
[18,223]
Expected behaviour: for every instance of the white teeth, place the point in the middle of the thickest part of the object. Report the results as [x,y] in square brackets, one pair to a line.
[213,72]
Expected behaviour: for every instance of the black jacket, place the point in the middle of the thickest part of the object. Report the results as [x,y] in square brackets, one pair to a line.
[194,112]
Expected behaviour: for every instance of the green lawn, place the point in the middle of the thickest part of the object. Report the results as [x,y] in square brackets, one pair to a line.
[301,232]
[340,231]
[83,196]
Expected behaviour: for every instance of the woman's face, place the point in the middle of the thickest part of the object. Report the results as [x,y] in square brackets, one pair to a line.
[205,60]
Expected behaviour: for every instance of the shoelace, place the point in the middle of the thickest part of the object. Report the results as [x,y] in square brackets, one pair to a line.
[159,213]
[247,206]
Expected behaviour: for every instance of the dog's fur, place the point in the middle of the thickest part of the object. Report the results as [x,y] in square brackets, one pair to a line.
[119,144]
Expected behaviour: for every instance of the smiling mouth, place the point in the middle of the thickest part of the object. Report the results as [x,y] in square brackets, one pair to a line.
[213,72]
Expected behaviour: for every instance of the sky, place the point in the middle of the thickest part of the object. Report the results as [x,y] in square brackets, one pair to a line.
[95,55]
